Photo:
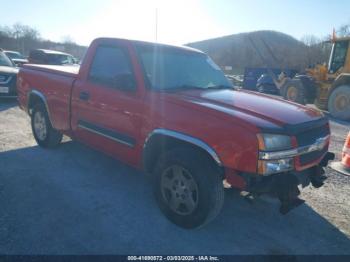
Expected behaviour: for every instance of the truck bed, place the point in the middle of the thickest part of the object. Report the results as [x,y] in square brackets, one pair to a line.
[55,84]
[62,70]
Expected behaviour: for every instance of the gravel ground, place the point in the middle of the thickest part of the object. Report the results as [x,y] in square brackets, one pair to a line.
[74,200]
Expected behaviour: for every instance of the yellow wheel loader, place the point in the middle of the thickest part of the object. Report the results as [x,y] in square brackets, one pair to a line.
[328,87]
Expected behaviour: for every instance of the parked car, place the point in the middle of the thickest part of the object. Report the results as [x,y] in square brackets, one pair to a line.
[171,112]
[8,74]
[51,57]
[265,84]
[17,58]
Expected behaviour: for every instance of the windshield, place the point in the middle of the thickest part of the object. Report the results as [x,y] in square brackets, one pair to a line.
[170,68]
[338,56]
[14,55]
[4,60]
[57,59]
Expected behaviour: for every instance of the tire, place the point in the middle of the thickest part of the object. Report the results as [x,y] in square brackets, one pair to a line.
[339,102]
[293,90]
[310,88]
[188,169]
[45,135]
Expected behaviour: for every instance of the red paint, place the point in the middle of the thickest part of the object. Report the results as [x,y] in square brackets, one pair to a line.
[226,120]
[234,179]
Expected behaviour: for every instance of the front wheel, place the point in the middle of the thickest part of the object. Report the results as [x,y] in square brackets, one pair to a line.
[45,135]
[339,103]
[188,187]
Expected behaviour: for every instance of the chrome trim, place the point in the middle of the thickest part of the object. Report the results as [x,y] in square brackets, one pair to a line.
[186,138]
[42,97]
[105,135]
[319,144]
[7,81]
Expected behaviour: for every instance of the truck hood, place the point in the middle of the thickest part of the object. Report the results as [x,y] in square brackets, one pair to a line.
[259,110]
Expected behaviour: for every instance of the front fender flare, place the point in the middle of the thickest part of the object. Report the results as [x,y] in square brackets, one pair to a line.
[185,138]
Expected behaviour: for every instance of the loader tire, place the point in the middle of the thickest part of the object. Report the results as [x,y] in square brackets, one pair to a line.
[339,102]
[293,90]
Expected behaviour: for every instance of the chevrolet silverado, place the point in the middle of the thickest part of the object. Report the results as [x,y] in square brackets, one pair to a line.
[172,113]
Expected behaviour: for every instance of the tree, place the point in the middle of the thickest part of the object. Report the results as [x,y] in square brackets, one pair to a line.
[343,30]
[317,50]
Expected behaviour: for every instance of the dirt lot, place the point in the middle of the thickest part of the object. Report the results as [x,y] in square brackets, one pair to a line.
[74,200]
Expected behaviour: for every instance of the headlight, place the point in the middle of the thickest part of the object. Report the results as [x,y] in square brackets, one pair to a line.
[274,154]
[273,142]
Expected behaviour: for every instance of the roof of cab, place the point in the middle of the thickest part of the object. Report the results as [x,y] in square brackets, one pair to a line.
[146,43]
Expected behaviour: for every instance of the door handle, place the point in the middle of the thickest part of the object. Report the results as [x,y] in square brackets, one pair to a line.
[84,96]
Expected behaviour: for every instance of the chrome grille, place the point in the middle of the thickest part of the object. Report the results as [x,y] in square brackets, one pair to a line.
[308,137]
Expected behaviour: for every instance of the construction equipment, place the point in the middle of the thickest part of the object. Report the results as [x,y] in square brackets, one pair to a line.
[328,87]
[343,166]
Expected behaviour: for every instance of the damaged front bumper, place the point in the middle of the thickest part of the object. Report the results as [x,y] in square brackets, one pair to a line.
[284,186]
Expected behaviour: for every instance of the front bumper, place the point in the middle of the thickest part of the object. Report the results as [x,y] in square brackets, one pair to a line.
[284,186]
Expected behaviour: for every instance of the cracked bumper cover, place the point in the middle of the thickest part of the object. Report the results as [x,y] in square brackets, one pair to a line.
[284,186]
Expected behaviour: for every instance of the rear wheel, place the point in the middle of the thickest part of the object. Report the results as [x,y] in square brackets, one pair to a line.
[45,135]
[339,103]
[293,90]
[188,187]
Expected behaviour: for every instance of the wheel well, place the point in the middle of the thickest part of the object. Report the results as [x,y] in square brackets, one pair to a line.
[34,100]
[159,144]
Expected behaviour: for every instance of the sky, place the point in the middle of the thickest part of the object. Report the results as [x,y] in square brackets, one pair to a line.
[179,21]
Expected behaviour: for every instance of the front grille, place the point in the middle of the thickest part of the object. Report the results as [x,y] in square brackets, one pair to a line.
[309,137]
[308,158]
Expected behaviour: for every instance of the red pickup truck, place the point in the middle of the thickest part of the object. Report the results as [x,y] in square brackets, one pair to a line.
[171,112]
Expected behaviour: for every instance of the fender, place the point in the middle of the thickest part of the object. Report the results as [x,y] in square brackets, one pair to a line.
[42,97]
[342,79]
[185,138]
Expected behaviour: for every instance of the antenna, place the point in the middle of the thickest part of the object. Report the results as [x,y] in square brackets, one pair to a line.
[156,24]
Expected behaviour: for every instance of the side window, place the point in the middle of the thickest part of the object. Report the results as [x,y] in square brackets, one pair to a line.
[111,67]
